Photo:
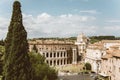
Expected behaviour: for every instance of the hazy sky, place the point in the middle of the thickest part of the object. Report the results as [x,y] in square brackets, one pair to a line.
[64,18]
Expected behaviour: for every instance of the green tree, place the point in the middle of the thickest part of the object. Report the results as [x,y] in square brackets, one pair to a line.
[2,50]
[40,69]
[87,66]
[35,48]
[45,78]
[16,60]
[94,39]
[2,42]
[1,64]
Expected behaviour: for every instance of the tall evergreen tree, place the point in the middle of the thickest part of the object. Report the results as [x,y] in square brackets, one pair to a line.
[16,62]
[35,48]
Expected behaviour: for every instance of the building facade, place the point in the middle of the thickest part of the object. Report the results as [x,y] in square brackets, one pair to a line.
[96,51]
[56,52]
[108,43]
[82,43]
[61,52]
[104,56]
[93,56]
[110,64]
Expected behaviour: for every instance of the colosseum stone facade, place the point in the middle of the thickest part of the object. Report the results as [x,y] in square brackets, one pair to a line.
[57,52]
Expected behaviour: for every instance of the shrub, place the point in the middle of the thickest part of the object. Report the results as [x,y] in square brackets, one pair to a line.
[87,66]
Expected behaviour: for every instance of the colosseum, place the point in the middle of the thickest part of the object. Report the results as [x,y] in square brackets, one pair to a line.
[60,52]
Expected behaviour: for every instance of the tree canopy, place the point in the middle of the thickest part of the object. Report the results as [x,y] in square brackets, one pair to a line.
[41,71]
[16,61]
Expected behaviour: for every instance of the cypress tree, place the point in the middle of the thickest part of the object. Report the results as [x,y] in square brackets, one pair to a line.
[35,48]
[16,62]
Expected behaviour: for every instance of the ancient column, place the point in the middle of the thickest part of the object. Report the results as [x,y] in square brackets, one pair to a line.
[74,57]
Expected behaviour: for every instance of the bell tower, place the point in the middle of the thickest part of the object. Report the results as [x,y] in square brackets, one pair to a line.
[81,43]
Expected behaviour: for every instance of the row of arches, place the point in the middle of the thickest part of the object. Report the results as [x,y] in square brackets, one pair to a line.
[55,54]
[57,62]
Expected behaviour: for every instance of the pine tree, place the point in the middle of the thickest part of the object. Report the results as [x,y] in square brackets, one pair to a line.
[16,62]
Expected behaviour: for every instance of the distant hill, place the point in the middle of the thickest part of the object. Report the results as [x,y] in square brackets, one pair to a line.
[99,38]
[92,38]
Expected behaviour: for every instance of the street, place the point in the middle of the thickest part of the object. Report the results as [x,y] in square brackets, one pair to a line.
[76,77]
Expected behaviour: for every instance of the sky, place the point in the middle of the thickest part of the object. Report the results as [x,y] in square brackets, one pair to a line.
[64,18]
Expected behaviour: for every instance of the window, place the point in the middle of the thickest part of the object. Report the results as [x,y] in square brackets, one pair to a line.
[102,54]
[64,61]
[54,62]
[46,54]
[54,55]
[57,54]
[61,54]
[47,61]
[50,62]
[50,54]
[61,62]
[57,62]
[64,54]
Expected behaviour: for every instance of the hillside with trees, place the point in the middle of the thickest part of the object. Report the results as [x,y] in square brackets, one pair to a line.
[94,39]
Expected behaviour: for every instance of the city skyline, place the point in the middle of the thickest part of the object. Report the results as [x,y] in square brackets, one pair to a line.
[64,18]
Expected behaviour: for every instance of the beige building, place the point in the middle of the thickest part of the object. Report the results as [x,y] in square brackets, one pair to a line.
[56,52]
[94,52]
[108,43]
[104,56]
[110,65]
[61,52]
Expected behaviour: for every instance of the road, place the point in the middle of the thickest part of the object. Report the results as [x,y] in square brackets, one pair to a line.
[76,77]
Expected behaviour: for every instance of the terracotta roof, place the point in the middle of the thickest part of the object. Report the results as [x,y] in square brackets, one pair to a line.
[116,53]
[115,47]
[107,56]
[96,46]
[111,53]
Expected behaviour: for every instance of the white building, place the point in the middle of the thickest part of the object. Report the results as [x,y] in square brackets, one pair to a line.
[82,42]
[94,53]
